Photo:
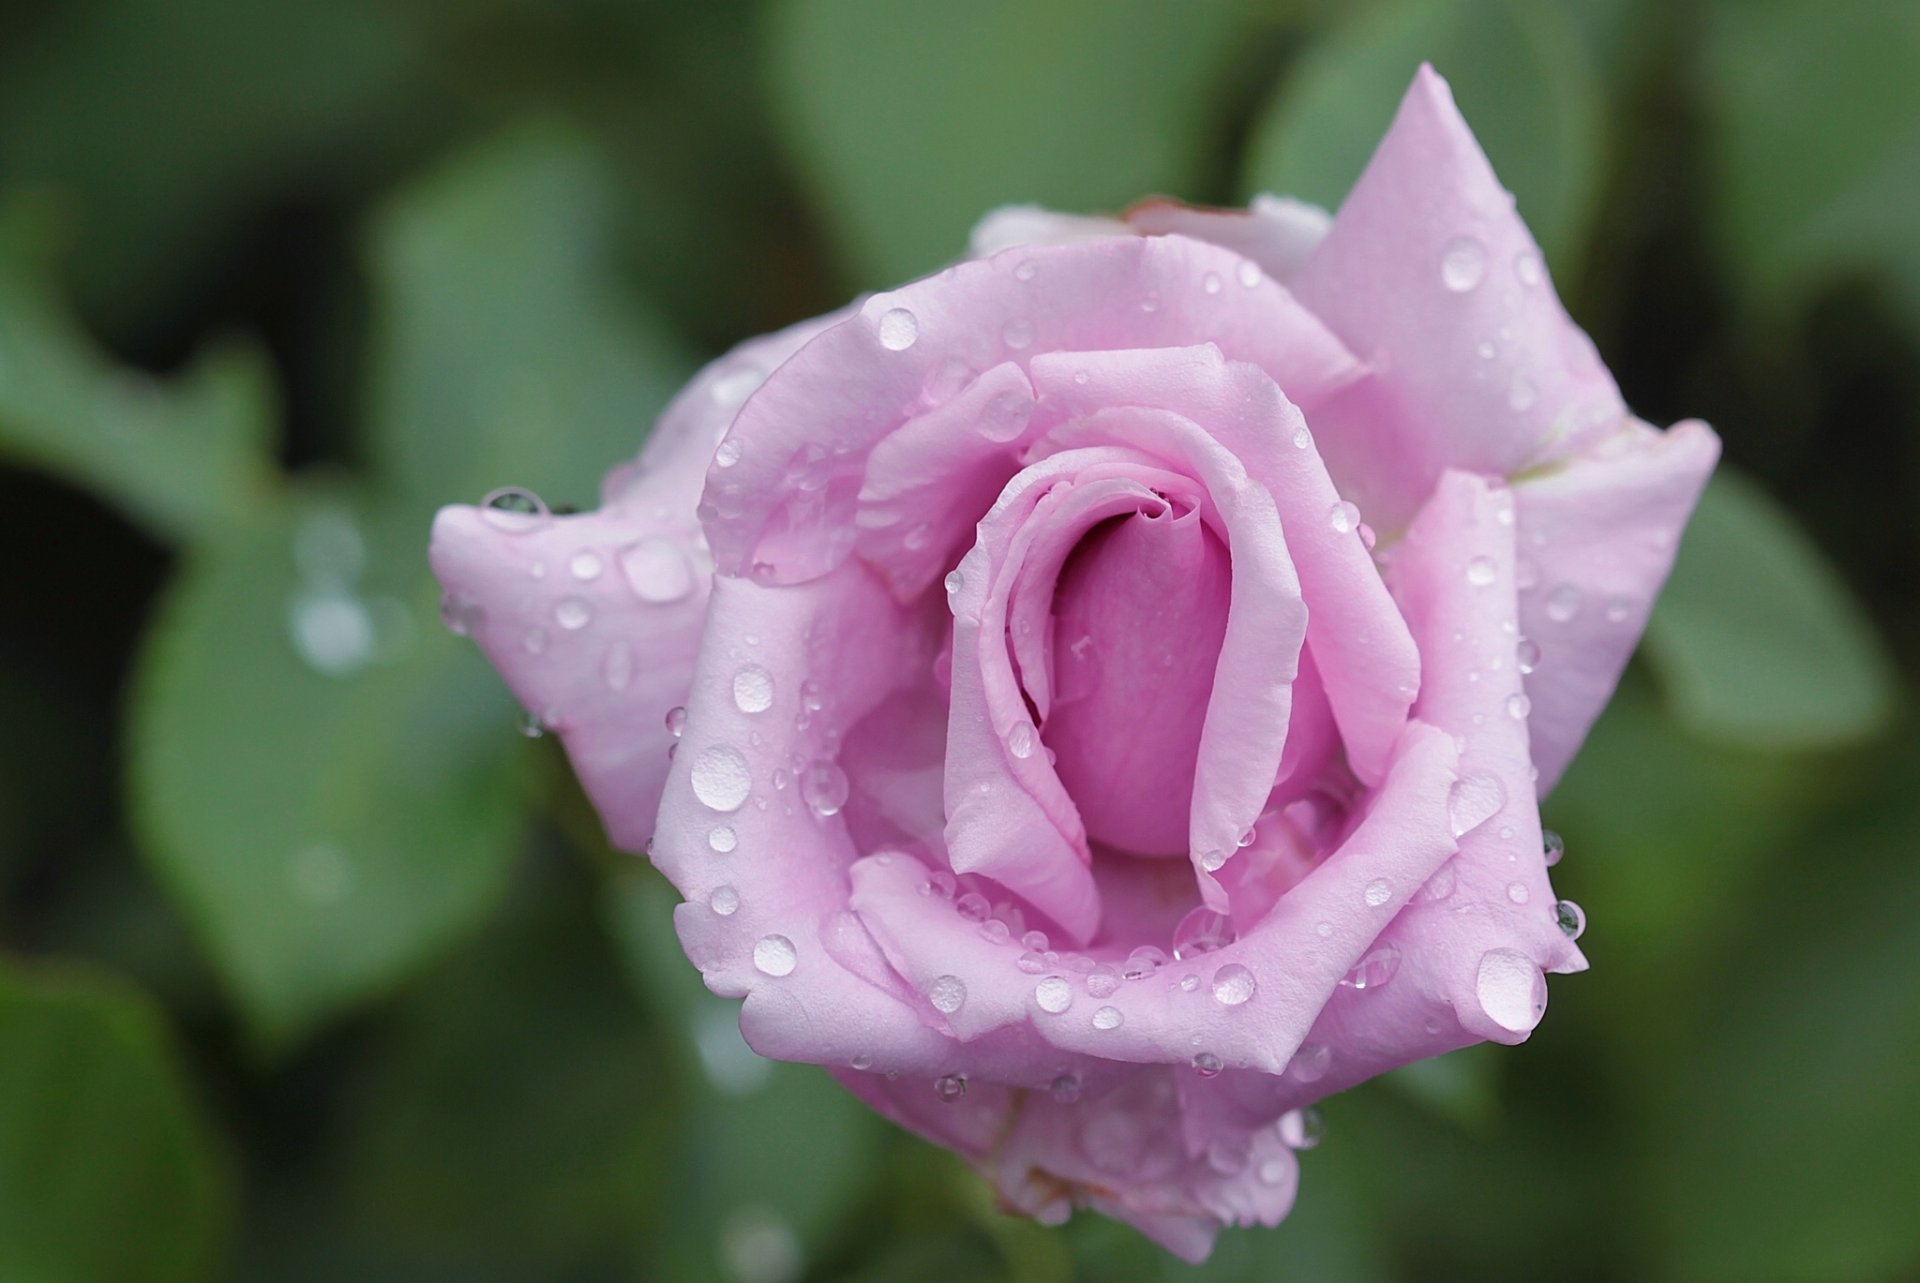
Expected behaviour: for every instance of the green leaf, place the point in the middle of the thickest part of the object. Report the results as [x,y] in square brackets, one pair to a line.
[327,782]
[106,1167]
[178,457]
[1756,637]
[911,123]
[1815,118]
[1784,1142]
[503,353]
[1523,77]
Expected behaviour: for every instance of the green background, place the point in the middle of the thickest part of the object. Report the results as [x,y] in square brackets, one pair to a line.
[313,968]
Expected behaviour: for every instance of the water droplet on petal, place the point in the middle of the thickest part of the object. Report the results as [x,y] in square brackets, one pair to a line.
[721,777]
[1526,266]
[1020,739]
[722,838]
[947,994]
[724,901]
[1206,1064]
[1343,517]
[572,614]
[954,582]
[585,566]
[1211,282]
[1481,572]
[1463,263]
[513,510]
[1375,969]
[1024,270]
[728,453]
[898,329]
[1233,985]
[1302,1128]
[1570,917]
[676,721]
[1528,653]
[1202,931]
[1103,981]
[950,1087]
[752,689]
[1065,1089]
[1553,846]
[1473,800]
[824,786]
[1108,1018]
[657,569]
[774,956]
[1518,706]
[1275,1171]
[1518,893]
[1018,334]
[1377,893]
[1511,990]
[1054,994]
[1563,603]
[1310,1063]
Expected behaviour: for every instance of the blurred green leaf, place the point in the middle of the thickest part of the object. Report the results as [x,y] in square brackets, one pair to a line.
[1785,1142]
[733,1195]
[1522,74]
[1461,1085]
[170,124]
[177,456]
[326,782]
[911,122]
[503,353]
[520,1106]
[1757,639]
[106,1168]
[1815,113]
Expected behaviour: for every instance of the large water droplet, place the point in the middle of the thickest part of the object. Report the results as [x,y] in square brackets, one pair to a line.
[1233,985]
[752,689]
[721,777]
[1511,990]
[513,510]
[774,955]
[947,994]
[1571,918]
[1473,800]
[1103,981]
[898,329]
[1054,994]
[1375,969]
[1108,1018]
[1202,931]
[722,838]
[1310,1063]
[1518,706]
[824,786]
[657,569]
[724,901]
[1021,739]
[1006,416]
[1463,263]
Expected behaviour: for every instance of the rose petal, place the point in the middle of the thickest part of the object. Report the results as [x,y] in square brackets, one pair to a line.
[1598,536]
[1429,275]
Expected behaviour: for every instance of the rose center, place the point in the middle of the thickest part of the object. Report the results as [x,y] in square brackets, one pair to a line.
[1138,618]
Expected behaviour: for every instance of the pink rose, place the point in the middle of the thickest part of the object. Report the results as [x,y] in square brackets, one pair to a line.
[1060,760]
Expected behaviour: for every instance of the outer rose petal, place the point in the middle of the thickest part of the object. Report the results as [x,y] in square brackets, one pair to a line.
[786,510]
[1277,232]
[602,683]
[1430,277]
[1598,535]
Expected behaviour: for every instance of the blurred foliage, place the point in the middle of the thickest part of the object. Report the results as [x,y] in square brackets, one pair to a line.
[312,968]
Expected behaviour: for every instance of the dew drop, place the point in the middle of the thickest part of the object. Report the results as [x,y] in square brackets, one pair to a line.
[973,907]
[1553,846]
[1518,893]
[898,330]
[774,956]
[954,582]
[1202,931]
[1018,334]
[1518,706]
[617,668]
[1275,1171]
[728,453]
[1526,266]
[1480,572]
[1570,917]
[947,994]
[1473,800]
[752,689]
[1210,282]
[1377,893]
[1302,1128]
[724,901]
[1302,438]
[1528,653]
[1233,985]
[721,778]
[950,1087]
[586,566]
[824,785]
[676,721]
[1054,994]
[722,838]
[514,510]
[1108,1018]
[1511,990]
[1103,981]
[1142,962]
[1375,969]
[1311,1062]
[1206,1064]
[1521,395]
[1343,517]
[657,569]
[572,614]
[1020,739]
[531,726]
[1065,1089]
[1563,603]
[1024,270]
[1463,264]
